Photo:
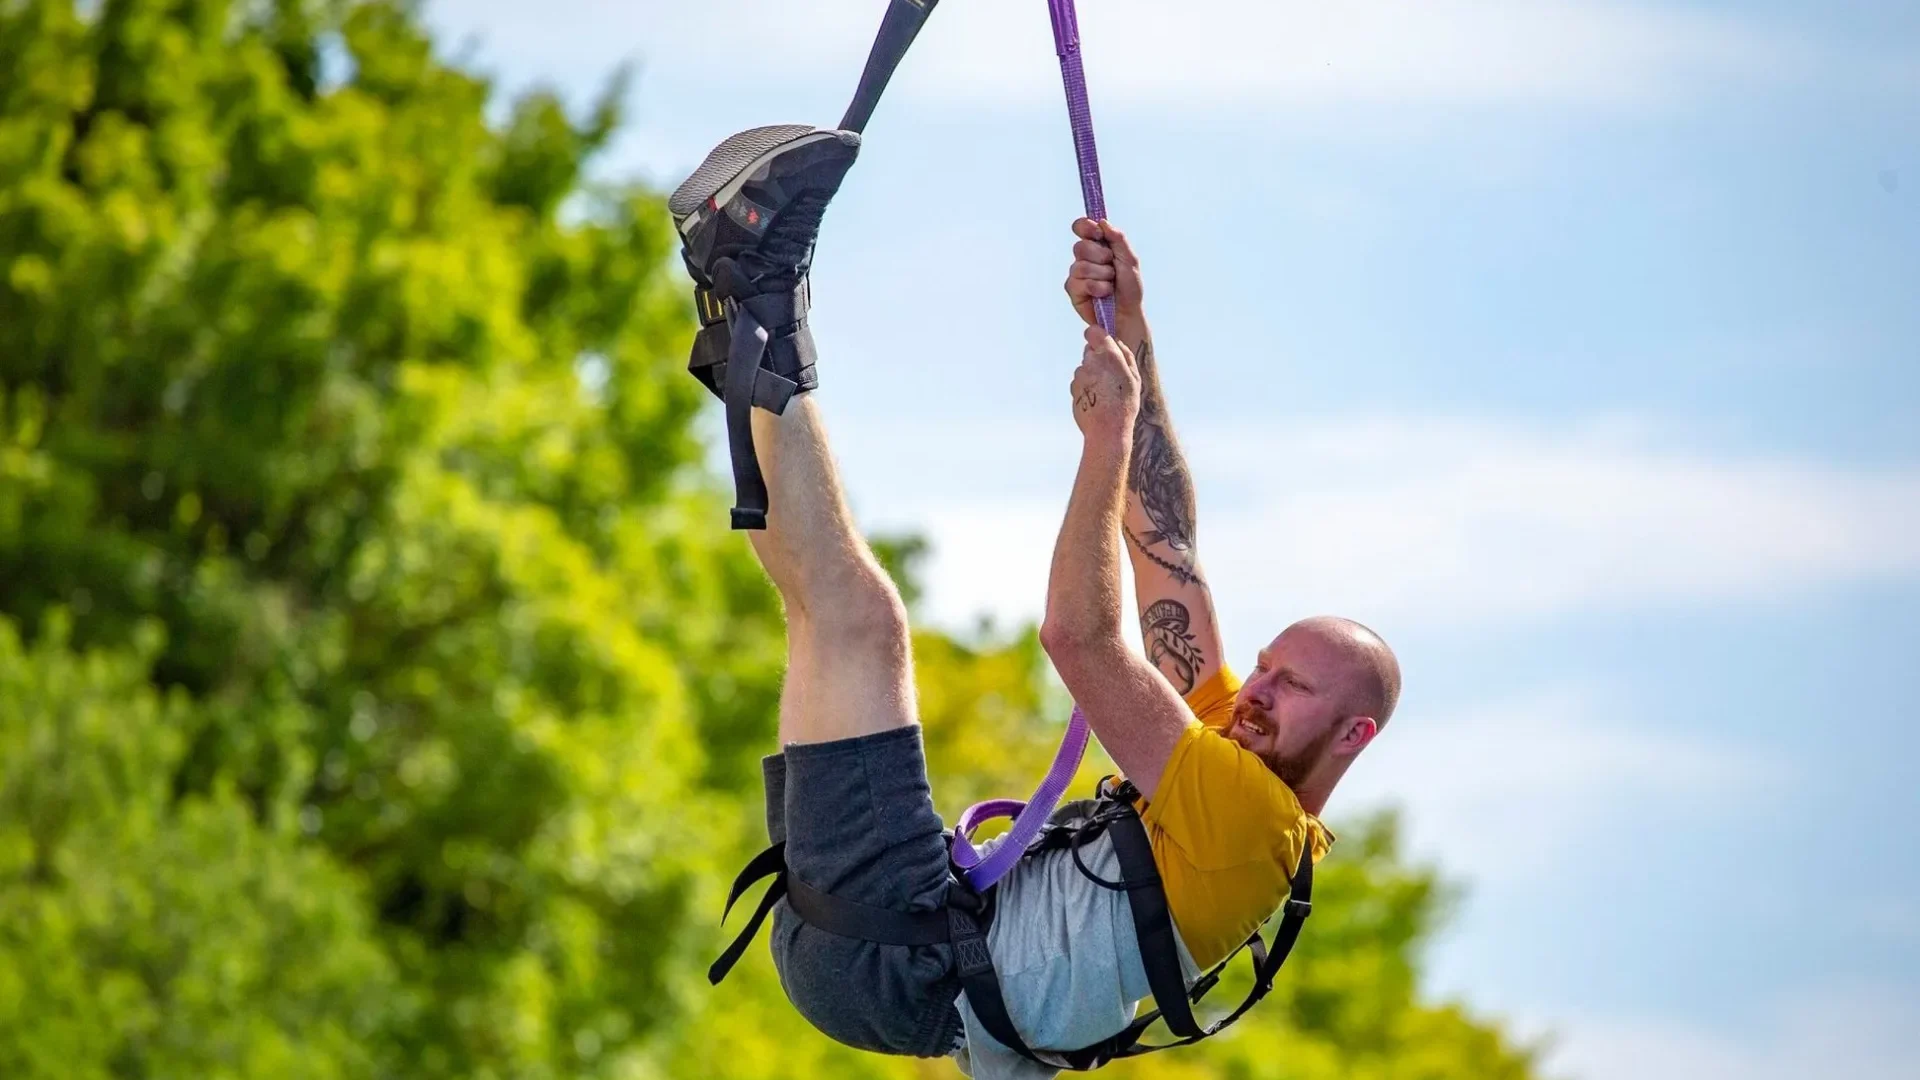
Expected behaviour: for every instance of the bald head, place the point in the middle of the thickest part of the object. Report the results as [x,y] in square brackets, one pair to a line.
[1370,674]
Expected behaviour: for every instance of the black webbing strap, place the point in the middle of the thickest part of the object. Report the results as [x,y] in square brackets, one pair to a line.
[1153,924]
[743,369]
[769,863]
[760,328]
[829,913]
[974,964]
[977,978]
[849,919]
[897,31]
[1267,960]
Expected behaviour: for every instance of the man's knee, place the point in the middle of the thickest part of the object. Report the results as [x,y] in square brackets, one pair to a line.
[866,613]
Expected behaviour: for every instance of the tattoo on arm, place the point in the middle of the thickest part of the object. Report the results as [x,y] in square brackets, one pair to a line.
[1159,474]
[1165,627]
[1179,573]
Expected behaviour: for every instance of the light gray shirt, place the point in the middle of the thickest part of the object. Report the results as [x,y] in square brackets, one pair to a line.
[1068,961]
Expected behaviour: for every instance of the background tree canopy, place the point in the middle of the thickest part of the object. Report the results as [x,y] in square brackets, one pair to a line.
[381,693]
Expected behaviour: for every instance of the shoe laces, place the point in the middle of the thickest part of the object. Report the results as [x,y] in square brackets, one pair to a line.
[788,243]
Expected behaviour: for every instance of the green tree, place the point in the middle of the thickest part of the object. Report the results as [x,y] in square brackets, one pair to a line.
[370,408]
[380,690]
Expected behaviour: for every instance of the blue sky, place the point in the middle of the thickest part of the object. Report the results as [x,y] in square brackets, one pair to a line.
[1574,345]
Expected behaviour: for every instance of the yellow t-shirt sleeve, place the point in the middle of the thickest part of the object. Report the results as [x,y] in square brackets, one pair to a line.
[1212,701]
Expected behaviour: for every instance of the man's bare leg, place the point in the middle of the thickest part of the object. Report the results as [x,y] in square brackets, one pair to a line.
[849,662]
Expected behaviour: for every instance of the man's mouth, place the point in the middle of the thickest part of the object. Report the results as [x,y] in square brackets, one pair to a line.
[1253,727]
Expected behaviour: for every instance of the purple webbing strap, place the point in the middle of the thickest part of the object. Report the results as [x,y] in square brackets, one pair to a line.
[1028,817]
[1066,43]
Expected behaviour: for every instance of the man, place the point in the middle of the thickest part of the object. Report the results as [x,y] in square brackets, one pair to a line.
[1231,798]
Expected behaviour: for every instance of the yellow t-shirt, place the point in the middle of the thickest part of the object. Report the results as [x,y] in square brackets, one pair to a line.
[1226,832]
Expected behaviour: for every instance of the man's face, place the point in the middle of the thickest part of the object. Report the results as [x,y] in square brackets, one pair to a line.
[1289,711]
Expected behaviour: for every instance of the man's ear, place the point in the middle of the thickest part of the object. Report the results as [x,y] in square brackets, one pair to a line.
[1359,732]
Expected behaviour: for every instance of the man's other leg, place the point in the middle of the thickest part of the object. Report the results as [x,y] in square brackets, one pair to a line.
[850,666]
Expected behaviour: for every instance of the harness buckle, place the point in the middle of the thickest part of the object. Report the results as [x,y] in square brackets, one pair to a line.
[1298,909]
[711,309]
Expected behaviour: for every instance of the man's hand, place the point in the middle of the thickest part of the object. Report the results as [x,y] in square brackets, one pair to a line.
[1103,265]
[1106,388]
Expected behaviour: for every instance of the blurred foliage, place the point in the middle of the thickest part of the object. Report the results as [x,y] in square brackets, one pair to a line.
[381,692]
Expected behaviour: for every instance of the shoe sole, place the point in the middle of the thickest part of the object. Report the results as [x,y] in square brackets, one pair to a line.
[731,165]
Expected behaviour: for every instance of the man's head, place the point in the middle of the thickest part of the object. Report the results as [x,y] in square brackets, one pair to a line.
[1316,697]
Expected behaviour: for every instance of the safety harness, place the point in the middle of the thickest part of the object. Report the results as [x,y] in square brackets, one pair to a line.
[964,919]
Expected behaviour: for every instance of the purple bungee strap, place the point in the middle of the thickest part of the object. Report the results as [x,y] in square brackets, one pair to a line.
[1028,817]
[1031,816]
[1066,43]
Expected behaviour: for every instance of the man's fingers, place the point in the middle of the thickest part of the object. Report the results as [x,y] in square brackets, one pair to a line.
[1086,271]
[1087,229]
[1117,241]
[1089,251]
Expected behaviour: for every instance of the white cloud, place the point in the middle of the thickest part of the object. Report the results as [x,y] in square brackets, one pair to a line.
[1537,52]
[1403,522]
[1861,1032]
[1518,788]
[1446,52]
[1469,523]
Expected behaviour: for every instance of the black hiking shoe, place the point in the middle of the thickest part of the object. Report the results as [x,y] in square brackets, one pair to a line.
[748,218]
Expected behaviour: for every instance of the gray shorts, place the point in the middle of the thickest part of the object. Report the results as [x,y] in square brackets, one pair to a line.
[858,819]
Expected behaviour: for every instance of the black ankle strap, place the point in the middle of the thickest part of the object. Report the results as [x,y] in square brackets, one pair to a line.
[743,370]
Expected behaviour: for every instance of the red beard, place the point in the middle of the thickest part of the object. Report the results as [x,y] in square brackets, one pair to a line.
[1292,769]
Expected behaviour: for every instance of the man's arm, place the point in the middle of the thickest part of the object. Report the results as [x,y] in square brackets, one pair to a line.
[1137,716]
[1178,625]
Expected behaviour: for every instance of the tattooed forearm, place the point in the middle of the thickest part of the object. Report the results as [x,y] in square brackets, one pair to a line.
[1183,575]
[1165,628]
[1159,476]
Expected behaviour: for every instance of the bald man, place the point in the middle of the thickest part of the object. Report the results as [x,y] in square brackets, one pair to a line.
[1232,791]
[1235,774]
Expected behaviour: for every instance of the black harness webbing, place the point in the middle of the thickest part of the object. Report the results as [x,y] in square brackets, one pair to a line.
[901,25]
[964,919]
[761,327]
[743,370]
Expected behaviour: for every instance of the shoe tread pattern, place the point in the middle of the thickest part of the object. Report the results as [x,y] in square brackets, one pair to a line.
[726,162]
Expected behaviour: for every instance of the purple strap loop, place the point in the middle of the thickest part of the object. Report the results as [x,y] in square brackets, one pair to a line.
[1028,817]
